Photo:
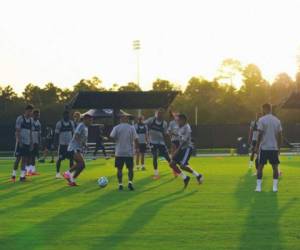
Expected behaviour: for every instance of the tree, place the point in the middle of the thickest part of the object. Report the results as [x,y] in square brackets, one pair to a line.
[93,84]
[162,85]
[230,72]
[255,89]
[131,86]
[32,94]
[282,87]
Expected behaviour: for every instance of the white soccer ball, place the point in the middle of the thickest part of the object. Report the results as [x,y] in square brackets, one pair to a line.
[102,181]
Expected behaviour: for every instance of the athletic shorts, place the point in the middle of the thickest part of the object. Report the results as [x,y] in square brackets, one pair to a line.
[120,161]
[142,148]
[22,151]
[183,156]
[63,152]
[270,156]
[176,143]
[35,151]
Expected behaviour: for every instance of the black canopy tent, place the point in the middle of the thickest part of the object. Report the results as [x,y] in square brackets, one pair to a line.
[117,100]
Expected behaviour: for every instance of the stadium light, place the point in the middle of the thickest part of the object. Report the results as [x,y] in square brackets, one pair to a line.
[136,47]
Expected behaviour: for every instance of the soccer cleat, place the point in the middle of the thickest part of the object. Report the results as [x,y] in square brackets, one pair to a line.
[186,181]
[13,178]
[200,178]
[66,175]
[73,184]
[22,179]
[130,187]
[120,187]
[58,176]
[275,189]
[258,189]
[155,177]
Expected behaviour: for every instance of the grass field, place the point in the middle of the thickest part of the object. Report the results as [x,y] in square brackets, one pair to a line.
[223,213]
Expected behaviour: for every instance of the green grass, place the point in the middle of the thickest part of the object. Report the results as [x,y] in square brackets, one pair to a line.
[223,213]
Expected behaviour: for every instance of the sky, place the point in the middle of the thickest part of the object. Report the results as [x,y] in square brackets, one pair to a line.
[63,41]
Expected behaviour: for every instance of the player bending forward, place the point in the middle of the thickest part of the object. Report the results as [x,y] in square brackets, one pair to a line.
[76,148]
[184,151]
[125,136]
[268,145]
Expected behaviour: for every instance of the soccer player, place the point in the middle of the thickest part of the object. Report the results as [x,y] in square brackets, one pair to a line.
[142,131]
[125,137]
[184,151]
[252,139]
[63,135]
[268,145]
[173,131]
[76,118]
[157,128]
[99,144]
[48,144]
[23,142]
[36,142]
[76,149]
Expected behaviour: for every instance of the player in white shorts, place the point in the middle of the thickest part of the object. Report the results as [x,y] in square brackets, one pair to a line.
[76,149]
[268,145]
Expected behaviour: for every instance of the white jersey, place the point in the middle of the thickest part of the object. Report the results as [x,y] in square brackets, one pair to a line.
[253,126]
[24,125]
[82,133]
[270,127]
[124,135]
[173,130]
[65,131]
[185,136]
[36,131]
[156,130]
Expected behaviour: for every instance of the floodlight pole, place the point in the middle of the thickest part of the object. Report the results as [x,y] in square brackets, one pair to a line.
[196,116]
[136,47]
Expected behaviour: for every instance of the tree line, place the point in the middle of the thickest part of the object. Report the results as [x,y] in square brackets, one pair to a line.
[215,101]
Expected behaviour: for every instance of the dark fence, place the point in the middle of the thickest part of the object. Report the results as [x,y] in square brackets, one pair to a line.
[205,136]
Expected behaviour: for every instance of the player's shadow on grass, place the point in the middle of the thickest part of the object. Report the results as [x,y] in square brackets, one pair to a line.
[140,217]
[13,190]
[63,222]
[261,228]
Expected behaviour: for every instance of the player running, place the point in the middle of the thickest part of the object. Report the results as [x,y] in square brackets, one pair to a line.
[184,151]
[36,142]
[23,142]
[142,131]
[76,149]
[157,128]
[252,139]
[63,135]
[125,137]
[268,145]
[173,131]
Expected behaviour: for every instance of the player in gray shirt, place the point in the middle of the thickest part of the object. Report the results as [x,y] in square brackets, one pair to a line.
[23,142]
[142,131]
[63,135]
[173,131]
[184,151]
[157,128]
[36,142]
[125,137]
[76,149]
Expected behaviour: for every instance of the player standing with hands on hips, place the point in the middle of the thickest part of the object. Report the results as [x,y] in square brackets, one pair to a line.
[268,145]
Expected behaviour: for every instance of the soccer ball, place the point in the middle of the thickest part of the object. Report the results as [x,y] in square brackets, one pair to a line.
[102,181]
